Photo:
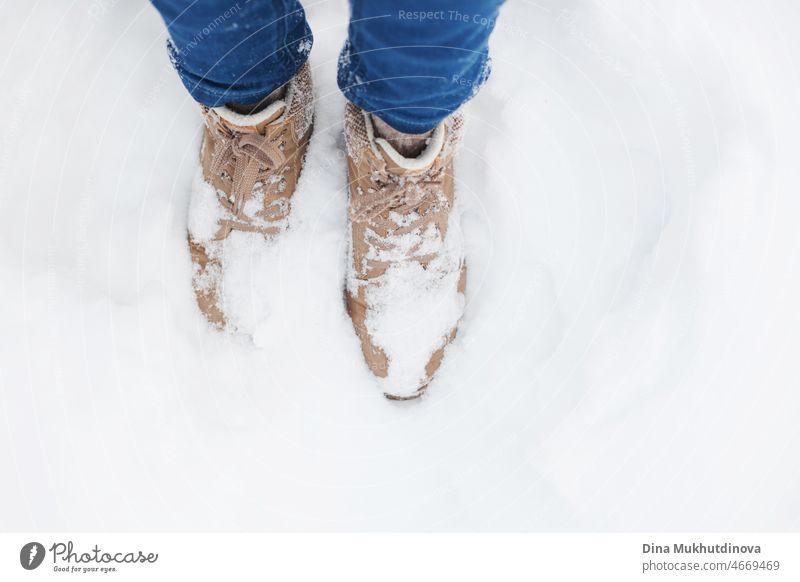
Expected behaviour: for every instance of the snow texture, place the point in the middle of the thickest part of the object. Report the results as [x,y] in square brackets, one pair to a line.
[414,309]
[628,354]
[205,210]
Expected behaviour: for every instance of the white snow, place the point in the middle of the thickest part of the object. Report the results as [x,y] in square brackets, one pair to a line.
[414,309]
[205,210]
[628,356]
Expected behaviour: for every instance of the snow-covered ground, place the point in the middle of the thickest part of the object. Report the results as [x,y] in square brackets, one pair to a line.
[630,354]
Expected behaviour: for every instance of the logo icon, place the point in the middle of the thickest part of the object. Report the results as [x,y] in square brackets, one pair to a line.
[31,555]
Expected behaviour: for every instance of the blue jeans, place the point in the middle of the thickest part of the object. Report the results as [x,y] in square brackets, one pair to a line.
[412,63]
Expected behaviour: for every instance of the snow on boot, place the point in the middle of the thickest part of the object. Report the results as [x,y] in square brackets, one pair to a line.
[406,271]
[250,165]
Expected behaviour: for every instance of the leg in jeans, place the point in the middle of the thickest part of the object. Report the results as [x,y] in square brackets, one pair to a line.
[235,51]
[414,63]
[406,68]
[244,61]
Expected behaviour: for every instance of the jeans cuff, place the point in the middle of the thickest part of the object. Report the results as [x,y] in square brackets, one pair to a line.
[206,92]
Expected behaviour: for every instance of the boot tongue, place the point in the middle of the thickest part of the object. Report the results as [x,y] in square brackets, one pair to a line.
[256,122]
[402,166]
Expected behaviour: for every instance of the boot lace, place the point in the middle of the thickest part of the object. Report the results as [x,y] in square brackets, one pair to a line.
[250,154]
[418,200]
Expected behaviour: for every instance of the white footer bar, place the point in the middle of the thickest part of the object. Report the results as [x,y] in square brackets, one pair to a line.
[399,557]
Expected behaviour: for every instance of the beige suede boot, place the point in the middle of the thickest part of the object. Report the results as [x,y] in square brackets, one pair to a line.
[406,271]
[250,167]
